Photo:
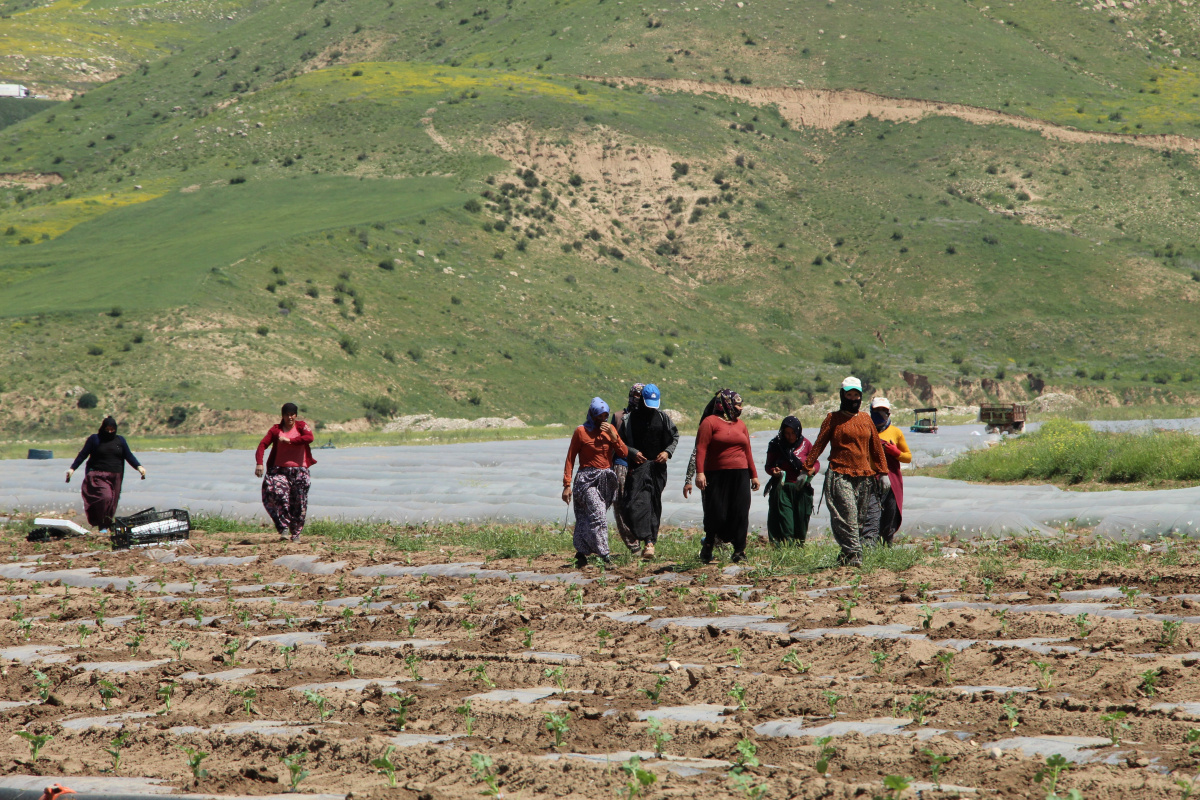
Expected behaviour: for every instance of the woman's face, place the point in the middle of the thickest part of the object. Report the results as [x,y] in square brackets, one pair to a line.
[289,420]
[789,435]
[110,429]
[738,409]
[602,417]
[886,413]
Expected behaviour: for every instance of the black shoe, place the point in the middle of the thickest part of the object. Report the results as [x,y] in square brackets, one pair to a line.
[738,558]
[607,562]
[706,551]
[580,561]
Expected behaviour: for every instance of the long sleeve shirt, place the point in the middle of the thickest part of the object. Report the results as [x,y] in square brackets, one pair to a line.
[110,456]
[854,445]
[648,431]
[301,436]
[721,444]
[788,459]
[893,436]
[593,449]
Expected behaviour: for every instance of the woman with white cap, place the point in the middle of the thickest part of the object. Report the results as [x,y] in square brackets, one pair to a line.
[884,510]
[857,465]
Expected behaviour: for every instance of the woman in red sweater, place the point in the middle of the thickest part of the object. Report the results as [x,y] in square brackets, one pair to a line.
[285,487]
[596,443]
[726,476]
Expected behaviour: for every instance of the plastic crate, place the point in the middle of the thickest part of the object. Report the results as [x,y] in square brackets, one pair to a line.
[151,526]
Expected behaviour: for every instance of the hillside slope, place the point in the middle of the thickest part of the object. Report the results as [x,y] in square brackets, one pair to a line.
[429,206]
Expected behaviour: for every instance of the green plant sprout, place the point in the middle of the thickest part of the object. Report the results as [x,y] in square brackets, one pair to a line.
[288,653]
[825,751]
[231,650]
[385,766]
[657,690]
[792,660]
[464,711]
[926,617]
[178,645]
[517,601]
[936,761]
[1115,726]
[1046,673]
[916,707]
[744,782]
[1082,626]
[878,660]
[714,602]
[923,591]
[896,785]
[667,644]
[1056,765]
[1149,682]
[346,657]
[660,737]
[1002,616]
[603,636]
[639,779]
[747,755]
[988,586]
[36,742]
[832,699]
[738,694]
[108,690]
[84,631]
[527,641]
[165,693]
[1170,632]
[347,615]
[295,768]
[412,662]
[558,674]
[848,606]
[318,702]
[194,759]
[736,653]
[1012,714]
[399,711]
[247,696]
[1191,737]
[1186,787]
[472,600]
[946,659]
[1131,595]
[412,626]
[557,724]
[114,750]
[481,765]
[480,675]
[41,683]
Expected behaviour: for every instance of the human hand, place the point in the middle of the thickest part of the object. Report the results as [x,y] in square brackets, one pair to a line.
[639,459]
[142,470]
[566,495]
[701,481]
[891,449]
[662,457]
[70,472]
[811,470]
[258,471]
[687,491]
[607,429]
[754,484]
[774,470]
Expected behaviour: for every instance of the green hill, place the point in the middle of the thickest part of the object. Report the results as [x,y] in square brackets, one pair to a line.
[503,208]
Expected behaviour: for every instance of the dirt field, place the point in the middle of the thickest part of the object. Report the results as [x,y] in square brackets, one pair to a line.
[975,658]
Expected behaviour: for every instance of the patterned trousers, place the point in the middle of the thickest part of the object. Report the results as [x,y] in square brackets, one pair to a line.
[285,496]
[593,491]
[846,497]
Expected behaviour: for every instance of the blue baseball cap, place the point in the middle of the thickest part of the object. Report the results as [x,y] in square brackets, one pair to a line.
[651,396]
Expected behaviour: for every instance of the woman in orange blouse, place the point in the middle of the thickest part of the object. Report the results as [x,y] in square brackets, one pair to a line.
[595,443]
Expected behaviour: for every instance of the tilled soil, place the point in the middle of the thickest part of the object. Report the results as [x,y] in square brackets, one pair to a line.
[899,668]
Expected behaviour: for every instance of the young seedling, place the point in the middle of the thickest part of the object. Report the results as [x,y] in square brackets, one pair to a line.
[832,699]
[926,617]
[108,690]
[399,711]
[935,766]
[1056,589]
[923,591]
[557,724]
[1056,765]
[287,652]
[1115,726]
[464,711]
[825,752]
[714,602]
[946,659]
[575,596]
[603,636]
[527,641]
[1002,617]
[412,662]
[347,615]
[1082,626]
[736,653]
[747,755]
[738,693]
[667,644]
[916,707]
[347,660]
[660,737]
[178,645]
[165,693]
[896,785]
[36,742]
[1046,673]
[988,586]
[517,601]
[744,783]
[318,702]
[41,682]
[231,650]
[792,660]
[1149,682]
[114,750]
[1170,632]
[412,626]
[472,600]
[247,696]
[1012,714]
[848,606]
[1191,737]
[639,779]
[479,674]
[194,759]
[1186,787]
[295,768]
[657,690]
[84,631]
[481,765]
[559,675]
[385,766]
[1131,595]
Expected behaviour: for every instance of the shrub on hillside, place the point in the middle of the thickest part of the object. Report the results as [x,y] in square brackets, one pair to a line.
[348,345]
[177,417]
[87,400]
[380,408]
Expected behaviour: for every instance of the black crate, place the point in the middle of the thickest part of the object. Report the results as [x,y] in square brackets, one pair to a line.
[151,526]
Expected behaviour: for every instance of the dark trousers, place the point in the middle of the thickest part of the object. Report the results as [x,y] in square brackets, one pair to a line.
[789,507]
[643,500]
[882,520]
[726,502]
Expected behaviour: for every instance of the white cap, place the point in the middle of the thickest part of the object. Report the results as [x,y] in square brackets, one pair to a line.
[881,402]
[851,382]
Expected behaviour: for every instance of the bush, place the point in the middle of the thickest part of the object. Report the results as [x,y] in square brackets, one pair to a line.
[387,264]
[575,180]
[389,355]
[669,350]
[416,353]
[177,417]
[784,385]
[87,400]
[349,345]
[95,350]
[237,179]
[380,408]
[679,169]
[473,206]
[726,358]
[115,311]
[262,330]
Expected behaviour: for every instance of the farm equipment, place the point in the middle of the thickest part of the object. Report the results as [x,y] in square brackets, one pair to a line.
[1003,418]
[924,424]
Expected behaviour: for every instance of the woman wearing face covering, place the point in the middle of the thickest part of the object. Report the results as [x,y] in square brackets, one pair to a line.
[596,444]
[789,491]
[621,468]
[726,476]
[884,511]
[106,454]
[856,466]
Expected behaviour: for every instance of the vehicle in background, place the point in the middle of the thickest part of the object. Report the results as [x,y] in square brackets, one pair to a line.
[924,424]
[13,90]
[1003,417]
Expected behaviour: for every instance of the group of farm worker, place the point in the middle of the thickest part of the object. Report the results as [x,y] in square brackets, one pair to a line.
[285,476]
[623,465]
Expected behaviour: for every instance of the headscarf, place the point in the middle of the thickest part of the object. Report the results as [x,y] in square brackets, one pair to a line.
[105,436]
[598,407]
[794,424]
[727,405]
[882,421]
[848,406]
[635,397]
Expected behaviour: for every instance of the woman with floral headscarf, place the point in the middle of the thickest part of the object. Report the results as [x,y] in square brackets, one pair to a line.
[596,444]
[726,476]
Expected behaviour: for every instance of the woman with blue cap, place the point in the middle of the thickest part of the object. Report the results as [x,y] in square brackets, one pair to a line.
[596,444]
[651,438]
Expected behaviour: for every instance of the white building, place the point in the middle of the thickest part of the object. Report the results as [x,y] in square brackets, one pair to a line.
[13,90]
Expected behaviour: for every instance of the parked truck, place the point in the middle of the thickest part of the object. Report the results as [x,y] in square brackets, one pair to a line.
[1003,418]
[13,90]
